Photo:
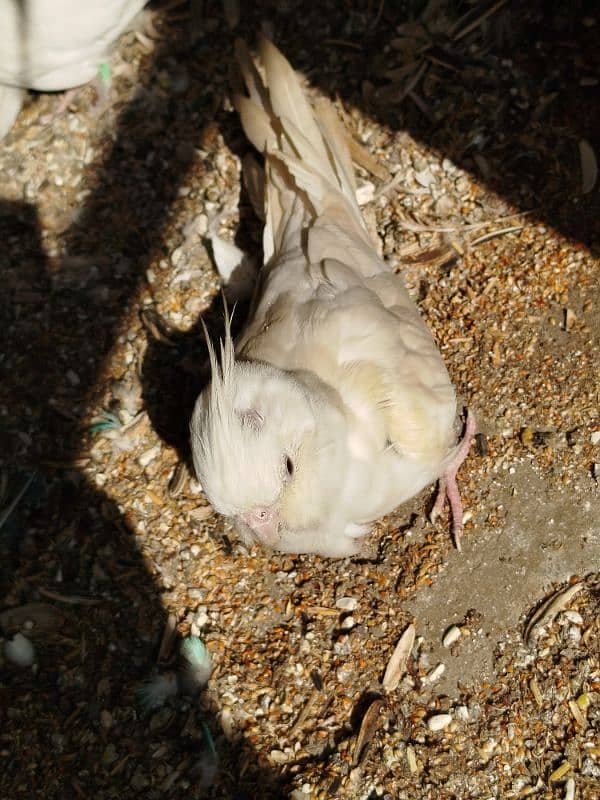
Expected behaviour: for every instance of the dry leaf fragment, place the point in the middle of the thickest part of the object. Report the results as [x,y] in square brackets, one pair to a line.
[550,608]
[397,663]
[578,715]
[201,513]
[304,714]
[34,616]
[589,166]
[70,599]
[178,479]
[535,691]
[361,156]
[560,772]
[168,638]
[368,727]
[412,760]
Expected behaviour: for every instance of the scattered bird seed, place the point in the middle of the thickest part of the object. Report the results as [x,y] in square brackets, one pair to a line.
[577,713]
[34,616]
[178,479]
[535,691]
[560,772]
[435,674]
[368,727]
[570,789]
[148,456]
[168,638]
[481,444]
[397,663]
[365,193]
[6,512]
[411,759]
[156,326]
[573,616]
[304,714]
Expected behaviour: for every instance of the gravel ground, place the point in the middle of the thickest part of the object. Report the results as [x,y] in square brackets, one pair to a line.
[481,131]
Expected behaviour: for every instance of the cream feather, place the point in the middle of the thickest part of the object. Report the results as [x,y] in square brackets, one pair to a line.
[334,406]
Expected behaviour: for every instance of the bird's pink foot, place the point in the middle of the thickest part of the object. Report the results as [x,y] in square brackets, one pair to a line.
[61,107]
[448,488]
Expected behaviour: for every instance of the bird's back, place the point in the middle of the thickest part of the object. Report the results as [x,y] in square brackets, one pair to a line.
[326,302]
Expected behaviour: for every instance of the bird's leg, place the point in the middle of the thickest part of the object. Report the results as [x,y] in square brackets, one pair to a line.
[61,107]
[448,488]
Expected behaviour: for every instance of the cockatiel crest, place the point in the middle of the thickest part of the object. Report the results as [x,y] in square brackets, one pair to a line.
[334,405]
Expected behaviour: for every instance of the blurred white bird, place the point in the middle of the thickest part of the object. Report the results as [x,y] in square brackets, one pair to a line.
[50,45]
[334,406]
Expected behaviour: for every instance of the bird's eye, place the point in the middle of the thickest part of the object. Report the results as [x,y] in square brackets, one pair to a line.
[289,465]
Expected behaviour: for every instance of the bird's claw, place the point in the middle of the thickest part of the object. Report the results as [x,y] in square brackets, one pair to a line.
[448,487]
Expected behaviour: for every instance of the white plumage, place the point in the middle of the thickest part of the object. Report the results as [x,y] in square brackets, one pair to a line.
[334,406]
[51,45]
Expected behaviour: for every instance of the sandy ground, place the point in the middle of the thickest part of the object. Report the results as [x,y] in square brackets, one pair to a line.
[481,196]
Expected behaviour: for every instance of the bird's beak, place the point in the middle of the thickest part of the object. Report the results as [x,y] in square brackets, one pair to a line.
[264,524]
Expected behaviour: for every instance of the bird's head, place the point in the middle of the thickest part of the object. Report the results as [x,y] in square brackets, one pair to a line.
[263,443]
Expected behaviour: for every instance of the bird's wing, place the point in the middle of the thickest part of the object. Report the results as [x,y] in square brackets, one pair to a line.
[327,303]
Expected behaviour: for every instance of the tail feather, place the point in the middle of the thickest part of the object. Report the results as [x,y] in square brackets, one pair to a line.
[289,101]
[253,79]
[258,126]
[335,136]
[306,153]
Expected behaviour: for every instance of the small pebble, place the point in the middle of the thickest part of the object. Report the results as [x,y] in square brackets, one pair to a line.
[424,178]
[573,616]
[176,256]
[20,651]
[435,674]
[149,455]
[346,603]
[106,719]
[365,193]
[439,721]
[570,789]
[411,759]
[452,635]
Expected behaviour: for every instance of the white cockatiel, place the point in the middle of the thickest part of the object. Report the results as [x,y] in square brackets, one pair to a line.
[334,406]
